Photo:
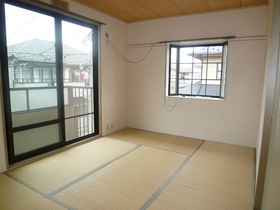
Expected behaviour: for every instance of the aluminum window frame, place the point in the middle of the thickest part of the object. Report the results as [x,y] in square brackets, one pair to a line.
[223,64]
[58,17]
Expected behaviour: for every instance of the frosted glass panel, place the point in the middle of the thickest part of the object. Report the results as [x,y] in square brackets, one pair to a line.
[26,141]
[18,100]
[42,98]
[27,118]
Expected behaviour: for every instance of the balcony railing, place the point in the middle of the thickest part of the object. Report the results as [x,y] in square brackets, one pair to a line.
[35,104]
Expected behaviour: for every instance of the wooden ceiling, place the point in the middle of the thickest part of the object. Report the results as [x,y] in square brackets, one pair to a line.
[139,10]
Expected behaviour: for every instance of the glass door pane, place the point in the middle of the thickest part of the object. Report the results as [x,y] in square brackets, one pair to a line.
[49,72]
[78,80]
[32,79]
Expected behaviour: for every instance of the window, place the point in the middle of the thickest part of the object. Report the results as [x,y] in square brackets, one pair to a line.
[50,83]
[219,70]
[197,70]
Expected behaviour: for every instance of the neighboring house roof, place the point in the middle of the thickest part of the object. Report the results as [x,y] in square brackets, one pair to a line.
[44,51]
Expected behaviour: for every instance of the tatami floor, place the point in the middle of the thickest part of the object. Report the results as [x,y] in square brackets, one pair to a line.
[134,169]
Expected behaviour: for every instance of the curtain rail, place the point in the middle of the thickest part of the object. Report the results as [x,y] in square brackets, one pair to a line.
[200,39]
[230,38]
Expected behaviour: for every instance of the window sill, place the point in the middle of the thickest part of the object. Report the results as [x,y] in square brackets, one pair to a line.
[196,98]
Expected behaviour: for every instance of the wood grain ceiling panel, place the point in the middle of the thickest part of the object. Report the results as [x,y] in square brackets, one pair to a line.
[109,9]
[163,8]
[223,4]
[192,6]
[133,7]
[252,2]
[138,10]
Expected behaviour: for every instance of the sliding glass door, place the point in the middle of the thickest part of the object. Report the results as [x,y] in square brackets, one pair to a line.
[50,79]
[77,80]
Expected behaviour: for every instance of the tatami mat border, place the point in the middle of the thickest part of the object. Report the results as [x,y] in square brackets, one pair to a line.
[39,192]
[49,196]
[169,150]
[92,172]
[164,185]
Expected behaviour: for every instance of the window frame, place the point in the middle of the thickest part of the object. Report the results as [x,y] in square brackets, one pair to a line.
[219,70]
[204,43]
[58,18]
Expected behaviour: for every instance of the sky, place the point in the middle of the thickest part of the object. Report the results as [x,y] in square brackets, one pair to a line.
[22,25]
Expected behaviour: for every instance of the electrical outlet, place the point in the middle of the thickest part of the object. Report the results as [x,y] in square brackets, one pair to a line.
[107,127]
[61,4]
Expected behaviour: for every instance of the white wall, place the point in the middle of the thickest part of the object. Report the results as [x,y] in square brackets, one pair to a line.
[235,120]
[112,74]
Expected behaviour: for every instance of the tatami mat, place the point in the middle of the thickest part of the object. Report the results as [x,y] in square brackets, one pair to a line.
[220,169]
[134,169]
[125,184]
[15,196]
[179,197]
[54,172]
[164,141]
